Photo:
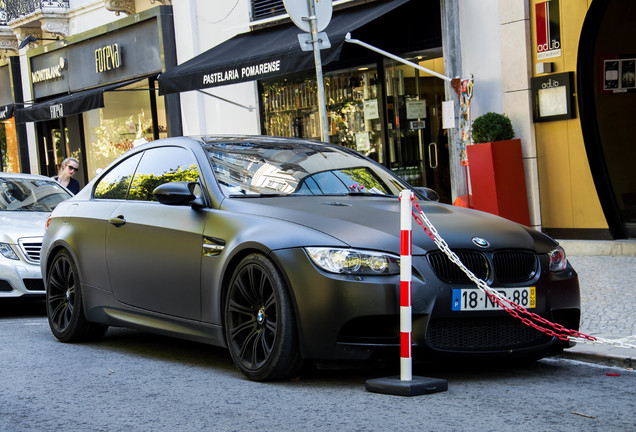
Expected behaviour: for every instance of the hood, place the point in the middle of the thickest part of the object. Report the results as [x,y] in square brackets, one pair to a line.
[18,224]
[374,222]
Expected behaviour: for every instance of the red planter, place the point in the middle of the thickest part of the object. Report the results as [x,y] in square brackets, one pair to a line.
[497,179]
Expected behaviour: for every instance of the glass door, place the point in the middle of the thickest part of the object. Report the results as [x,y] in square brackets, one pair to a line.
[417,144]
[54,146]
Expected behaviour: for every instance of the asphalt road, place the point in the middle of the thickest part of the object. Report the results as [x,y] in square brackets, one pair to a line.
[132,381]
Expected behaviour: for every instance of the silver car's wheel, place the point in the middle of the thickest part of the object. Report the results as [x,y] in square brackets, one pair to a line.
[64,302]
[260,327]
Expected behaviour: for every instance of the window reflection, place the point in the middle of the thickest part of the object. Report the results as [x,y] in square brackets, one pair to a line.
[138,176]
[244,169]
[30,195]
[114,185]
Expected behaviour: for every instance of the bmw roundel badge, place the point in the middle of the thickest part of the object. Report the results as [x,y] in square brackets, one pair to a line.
[481,242]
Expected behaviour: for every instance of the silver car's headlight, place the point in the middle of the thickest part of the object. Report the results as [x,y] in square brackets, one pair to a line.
[558,261]
[7,251]
[354,261]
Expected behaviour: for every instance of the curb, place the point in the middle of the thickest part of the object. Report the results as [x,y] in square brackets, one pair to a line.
[601,359]
[599,247]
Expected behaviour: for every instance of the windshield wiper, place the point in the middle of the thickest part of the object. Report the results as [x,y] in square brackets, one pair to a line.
[261,195]
[368,194]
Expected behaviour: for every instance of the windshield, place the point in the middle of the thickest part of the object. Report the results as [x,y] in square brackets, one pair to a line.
[34,195]
[286,167]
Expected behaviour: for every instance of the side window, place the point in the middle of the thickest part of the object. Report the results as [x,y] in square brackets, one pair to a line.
[162,165]
[115,184]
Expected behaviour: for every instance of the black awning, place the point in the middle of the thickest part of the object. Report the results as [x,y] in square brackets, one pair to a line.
[65,106]
[6,112]
[266,53]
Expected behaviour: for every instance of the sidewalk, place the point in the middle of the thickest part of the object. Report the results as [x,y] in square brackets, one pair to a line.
[607,275]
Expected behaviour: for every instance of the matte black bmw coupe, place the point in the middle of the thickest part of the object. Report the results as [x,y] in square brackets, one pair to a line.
[286,251]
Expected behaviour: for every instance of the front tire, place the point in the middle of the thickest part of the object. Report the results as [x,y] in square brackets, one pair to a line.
[64,308]
[260,327]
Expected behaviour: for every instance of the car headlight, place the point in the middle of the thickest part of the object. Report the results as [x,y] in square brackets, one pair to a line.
[354,261]
[7,252]
[558,261]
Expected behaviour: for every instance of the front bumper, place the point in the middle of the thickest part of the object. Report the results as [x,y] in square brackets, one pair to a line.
[19,278]
[353,318]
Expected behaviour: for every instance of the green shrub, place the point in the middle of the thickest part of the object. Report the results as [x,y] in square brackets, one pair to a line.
[492,127]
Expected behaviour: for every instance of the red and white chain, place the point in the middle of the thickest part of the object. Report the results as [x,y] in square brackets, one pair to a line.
[517,311]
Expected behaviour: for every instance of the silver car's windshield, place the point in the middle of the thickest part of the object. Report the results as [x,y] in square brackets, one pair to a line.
[283,168]
[35,195]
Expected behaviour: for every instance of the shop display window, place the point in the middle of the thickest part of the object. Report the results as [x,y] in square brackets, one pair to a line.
[126,121]
[353,109]
[9,158]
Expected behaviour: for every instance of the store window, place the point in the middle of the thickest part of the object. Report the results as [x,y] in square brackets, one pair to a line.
[125,121]
[9,158]
[353,110]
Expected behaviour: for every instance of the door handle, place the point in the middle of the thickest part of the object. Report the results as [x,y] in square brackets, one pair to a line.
[117,221]
[432,151]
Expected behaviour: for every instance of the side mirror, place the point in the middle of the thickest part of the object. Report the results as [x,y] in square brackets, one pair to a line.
[177,193]
[427,193]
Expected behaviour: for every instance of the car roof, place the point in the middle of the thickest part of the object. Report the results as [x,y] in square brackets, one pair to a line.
[201,141]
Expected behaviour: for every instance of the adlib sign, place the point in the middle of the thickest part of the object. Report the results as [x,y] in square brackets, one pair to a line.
[49,73]
[548,28]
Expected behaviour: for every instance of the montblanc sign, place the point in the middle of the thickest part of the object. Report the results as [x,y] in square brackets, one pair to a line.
[49,73]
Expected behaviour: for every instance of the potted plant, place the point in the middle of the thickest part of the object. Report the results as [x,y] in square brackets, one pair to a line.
[492,127]
[495,162]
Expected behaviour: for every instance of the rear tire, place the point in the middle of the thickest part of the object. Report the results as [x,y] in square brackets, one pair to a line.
[64,302]
[259,322]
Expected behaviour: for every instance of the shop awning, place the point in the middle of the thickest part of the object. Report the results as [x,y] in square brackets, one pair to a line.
[65,106]
[266,53]
[6,112]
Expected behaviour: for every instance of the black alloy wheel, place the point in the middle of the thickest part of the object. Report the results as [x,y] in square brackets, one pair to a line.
[260,328]
[64,307]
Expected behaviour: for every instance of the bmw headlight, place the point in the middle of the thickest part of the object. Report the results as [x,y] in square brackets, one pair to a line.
[558,261]
[354,261]
[7,252]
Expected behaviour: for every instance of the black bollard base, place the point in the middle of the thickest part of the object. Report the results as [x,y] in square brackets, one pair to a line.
[415,387]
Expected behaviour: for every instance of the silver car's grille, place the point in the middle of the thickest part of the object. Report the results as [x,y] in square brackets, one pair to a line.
[31,248]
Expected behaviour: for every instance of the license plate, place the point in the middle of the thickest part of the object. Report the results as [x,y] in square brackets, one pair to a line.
[474,299]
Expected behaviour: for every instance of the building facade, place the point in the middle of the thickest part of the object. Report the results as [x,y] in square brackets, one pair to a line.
[525,58]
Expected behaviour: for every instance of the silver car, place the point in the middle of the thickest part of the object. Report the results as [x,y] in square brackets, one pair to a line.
[26,200]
